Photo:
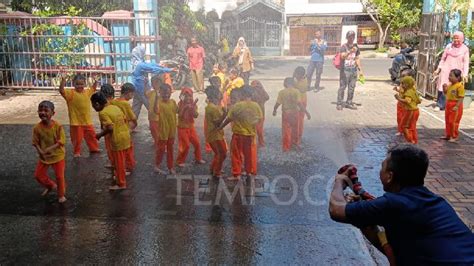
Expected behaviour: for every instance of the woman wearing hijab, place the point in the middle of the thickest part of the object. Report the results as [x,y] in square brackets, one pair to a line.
[245,59]
[455,56]
[140,70]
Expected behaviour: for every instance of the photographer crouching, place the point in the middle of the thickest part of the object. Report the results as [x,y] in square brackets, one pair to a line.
[420,227]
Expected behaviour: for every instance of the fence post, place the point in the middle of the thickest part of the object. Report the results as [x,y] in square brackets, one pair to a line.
[145,28]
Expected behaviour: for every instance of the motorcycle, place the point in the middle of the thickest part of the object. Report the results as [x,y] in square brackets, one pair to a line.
[181,76]
[403,63]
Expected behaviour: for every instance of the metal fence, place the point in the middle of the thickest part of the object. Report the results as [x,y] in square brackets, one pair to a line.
[257,32]
[34,51]
[431,41]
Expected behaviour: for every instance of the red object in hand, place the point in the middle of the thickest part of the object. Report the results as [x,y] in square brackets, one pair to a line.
[356,185]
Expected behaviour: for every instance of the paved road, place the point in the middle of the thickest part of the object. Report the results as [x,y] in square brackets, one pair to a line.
[277,68]
[145,224]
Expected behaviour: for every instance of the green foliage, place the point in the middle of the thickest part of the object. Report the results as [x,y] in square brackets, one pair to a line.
[381,50]
[61,48]
[61,7]
[393,15]
[177,17]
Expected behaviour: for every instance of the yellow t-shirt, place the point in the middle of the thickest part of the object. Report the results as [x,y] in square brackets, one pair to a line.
[48,136]
[221,76]
[413,99]
[245,115]
[120,137]
[289,99]
[79,106]
[167,122]
[126,108]
[455,92]
[234,84]
[302,87]
[152,115]
[213,115]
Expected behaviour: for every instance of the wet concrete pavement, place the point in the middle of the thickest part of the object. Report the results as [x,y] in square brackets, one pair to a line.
[152,222]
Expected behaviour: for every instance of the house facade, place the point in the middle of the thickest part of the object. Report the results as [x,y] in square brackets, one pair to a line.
[333,17]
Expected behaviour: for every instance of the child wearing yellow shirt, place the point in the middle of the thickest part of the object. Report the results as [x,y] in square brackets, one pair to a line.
[167,110]
[79,110]
[290,100]
[244,115]
[114,124]
[49,140]
[213,117]
[454,105]
[301,84]
[410,100]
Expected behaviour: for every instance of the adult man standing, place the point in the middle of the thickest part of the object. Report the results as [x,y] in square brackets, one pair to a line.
[196,56]
[348,73]
[318,48]
[421,227]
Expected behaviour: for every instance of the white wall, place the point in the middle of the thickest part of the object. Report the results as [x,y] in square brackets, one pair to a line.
[293,7]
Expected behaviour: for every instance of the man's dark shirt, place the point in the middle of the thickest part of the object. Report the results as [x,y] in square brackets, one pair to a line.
[421,227]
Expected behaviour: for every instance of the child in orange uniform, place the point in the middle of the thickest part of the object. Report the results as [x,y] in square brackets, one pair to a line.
[216,83]
[410,100]
[235,82]
[126,94]
[153,96]
[260,96]
[214,117]
[454,106]
[49,140]
[187,112]
[114,124]
[301,84]
[244,115]
[109,92]
[79,109]
[167,110]
[400,110]
[218,71]
[289,99]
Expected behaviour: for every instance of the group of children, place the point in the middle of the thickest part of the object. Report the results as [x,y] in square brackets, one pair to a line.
[408,112]
[229,101]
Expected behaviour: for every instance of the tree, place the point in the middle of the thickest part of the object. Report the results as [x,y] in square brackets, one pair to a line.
[61,7]
[392,15]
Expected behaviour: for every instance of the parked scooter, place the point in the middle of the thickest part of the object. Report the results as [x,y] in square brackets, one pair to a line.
[179,62]
[404,62]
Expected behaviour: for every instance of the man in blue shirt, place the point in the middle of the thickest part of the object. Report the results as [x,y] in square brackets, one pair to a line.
[421,227]
[318,48]
[140,71]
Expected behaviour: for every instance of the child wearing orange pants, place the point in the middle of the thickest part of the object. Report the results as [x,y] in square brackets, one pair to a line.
[290,100]
[79,110]
[260,96]
[217,82]
[167,110]
[301,84]
[153,96]
[187,112]
[410,101]
[126,94]
[49,140]
[244,115]
[114,123]
[454,105]
[215,137]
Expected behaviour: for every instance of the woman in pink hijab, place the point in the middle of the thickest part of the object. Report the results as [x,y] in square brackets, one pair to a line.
[455,56]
